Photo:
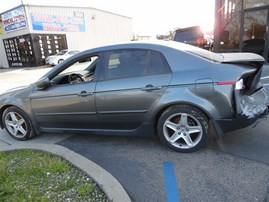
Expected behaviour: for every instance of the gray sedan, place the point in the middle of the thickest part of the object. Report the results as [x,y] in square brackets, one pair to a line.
[180,92]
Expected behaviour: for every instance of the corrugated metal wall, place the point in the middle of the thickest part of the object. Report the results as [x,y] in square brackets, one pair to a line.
[101,27]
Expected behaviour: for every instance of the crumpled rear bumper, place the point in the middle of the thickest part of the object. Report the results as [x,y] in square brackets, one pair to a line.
[249,110]
[253,105]
[240,121]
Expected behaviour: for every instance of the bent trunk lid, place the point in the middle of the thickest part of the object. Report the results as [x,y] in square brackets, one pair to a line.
[251,98]
[241,58]
[250,61]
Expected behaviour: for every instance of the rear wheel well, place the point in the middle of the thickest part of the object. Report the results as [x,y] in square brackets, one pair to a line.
[161,111]
[60,60]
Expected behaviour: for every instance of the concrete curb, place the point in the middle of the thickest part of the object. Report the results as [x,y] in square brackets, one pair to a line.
[112,188]
[267,192]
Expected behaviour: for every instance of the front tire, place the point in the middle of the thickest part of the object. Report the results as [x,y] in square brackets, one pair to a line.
[183,128]
[17,124]
[60,61]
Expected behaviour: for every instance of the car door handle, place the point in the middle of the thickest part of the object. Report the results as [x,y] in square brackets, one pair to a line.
[84,93]
[151,88]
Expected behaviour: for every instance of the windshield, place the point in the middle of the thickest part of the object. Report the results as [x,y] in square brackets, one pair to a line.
[62,52]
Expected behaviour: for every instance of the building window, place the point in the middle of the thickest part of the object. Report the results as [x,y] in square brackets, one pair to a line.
[241,26]
[230,25]
[255,3]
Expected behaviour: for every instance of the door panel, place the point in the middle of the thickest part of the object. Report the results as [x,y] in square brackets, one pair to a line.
[124,103]
[65,106]
[133,82]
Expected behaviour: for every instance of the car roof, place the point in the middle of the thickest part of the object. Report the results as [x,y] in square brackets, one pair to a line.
[154,44]
[161,45]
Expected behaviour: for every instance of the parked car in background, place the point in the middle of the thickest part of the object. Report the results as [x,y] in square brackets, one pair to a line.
[60,57]
[194,36]
[175,90]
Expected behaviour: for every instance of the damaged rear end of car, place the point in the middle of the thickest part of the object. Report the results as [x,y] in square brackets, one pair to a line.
[250,97]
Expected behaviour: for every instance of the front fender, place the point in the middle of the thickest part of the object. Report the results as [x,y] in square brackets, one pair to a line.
[18,98]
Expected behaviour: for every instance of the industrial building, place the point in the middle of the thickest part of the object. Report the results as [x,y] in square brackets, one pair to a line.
[30,33]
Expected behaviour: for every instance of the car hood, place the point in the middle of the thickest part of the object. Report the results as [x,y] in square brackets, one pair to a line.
[15,89]
[21,92]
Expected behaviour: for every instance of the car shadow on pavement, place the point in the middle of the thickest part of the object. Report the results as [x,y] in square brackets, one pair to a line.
[250,143]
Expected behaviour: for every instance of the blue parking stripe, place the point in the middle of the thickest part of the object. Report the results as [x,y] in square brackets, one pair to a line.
[172,194]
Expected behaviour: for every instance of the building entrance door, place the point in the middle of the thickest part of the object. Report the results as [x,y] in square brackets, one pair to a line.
[255,33]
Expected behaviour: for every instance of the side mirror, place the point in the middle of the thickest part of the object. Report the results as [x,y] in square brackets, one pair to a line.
[43,83]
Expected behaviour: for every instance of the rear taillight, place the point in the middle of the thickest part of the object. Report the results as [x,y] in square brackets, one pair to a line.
[240,85]
[226,83]
[201,41]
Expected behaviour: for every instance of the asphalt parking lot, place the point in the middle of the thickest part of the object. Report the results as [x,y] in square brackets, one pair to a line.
[235,168]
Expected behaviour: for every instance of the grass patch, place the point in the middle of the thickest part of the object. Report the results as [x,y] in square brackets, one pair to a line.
[30,175]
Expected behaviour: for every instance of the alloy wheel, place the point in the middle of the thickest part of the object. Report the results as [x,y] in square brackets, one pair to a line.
[182,130]
[15,124]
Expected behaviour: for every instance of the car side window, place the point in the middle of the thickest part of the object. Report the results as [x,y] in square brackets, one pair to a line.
[158,64]
[81,70]
[134,63]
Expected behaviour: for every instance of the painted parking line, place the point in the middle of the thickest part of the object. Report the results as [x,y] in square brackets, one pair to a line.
[172,194]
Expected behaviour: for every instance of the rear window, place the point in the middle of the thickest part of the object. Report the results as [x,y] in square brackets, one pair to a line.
[214,57]
[206,54]
[188,35]
[62,52]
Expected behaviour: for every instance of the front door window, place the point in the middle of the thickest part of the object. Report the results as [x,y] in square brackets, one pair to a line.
[69,101]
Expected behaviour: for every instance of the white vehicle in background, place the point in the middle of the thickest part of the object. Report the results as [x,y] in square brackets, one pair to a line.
[59,57]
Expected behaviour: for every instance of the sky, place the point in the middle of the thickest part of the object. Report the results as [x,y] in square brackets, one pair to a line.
[150,17]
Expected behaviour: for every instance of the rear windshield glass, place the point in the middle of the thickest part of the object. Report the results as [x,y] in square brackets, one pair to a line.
[197,51]
[189,35]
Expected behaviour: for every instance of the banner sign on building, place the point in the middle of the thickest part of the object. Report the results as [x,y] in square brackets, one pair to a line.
[1,26]
[14,19]
[46,22]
